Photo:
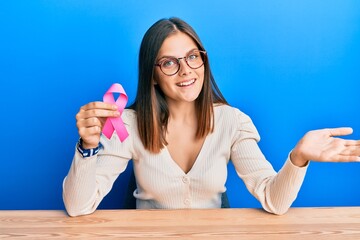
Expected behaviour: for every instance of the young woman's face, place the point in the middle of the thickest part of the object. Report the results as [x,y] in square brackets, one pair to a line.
[186,84]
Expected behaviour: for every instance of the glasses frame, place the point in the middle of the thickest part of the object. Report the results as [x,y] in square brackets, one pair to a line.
[158,64]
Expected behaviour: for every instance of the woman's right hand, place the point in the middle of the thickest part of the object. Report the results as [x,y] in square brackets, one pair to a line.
[90,121]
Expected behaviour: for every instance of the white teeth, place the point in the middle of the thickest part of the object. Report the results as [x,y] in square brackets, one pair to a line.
[183,84]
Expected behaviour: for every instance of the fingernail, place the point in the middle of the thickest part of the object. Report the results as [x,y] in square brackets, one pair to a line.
[114,107]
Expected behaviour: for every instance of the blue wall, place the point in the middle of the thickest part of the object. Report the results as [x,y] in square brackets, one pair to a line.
[292,66]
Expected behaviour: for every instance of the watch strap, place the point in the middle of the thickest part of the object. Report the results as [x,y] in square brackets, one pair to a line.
[87,152]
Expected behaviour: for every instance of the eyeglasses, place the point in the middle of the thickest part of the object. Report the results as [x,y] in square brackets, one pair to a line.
[171,65]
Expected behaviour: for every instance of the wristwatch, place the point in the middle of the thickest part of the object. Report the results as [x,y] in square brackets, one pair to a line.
[87,152]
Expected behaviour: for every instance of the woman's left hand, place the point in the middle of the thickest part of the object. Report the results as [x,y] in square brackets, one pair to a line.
[323,146]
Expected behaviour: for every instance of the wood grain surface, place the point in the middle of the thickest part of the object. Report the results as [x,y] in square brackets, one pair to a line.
[298,223]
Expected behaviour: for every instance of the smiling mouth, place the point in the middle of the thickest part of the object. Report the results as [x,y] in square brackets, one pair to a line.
[186,83]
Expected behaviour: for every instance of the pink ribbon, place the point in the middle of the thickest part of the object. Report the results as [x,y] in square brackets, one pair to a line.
[115,123]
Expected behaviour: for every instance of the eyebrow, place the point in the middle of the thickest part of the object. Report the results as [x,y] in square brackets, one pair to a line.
[168,56]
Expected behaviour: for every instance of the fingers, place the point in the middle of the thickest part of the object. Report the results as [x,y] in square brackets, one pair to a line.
[352,143]
[97,109]
[90,120]
[97,113]
[99,105]
[351,151]
[345,158]
[342,131]
[344,153]
[89,131]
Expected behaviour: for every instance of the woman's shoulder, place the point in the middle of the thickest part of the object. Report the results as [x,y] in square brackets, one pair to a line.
[225,110]
[229,115]
[233,118]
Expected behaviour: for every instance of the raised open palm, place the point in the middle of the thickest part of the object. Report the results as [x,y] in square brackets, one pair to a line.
[324,146]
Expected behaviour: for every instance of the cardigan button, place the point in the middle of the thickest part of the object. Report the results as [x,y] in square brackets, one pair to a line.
[187,201]
[185,179]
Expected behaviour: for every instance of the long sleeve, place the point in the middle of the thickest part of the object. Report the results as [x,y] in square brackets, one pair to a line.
[90,179]
[161,183]
[275,191]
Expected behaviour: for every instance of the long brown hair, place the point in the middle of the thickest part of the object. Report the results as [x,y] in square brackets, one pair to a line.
[150,104]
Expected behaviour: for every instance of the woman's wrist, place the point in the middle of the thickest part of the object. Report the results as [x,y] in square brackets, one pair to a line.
[85,151]
[297,159]
[88,146]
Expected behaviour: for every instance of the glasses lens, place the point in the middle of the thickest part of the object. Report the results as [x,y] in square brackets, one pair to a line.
[169,66]
[195,59]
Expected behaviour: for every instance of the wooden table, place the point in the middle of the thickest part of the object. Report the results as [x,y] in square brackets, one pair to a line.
[298,223]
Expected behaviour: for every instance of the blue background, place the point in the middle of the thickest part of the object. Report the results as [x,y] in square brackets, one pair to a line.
[292,66]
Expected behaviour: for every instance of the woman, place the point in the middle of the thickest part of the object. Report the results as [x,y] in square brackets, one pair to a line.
[182,133]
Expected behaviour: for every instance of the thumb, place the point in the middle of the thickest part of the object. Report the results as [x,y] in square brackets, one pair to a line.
[341,131]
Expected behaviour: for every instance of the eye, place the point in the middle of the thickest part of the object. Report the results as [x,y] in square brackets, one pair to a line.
[193,56]
[168,63]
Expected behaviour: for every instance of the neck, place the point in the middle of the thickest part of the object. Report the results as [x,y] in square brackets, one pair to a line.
[183,112]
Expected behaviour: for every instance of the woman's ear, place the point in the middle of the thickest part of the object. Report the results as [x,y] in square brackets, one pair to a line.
[154,82]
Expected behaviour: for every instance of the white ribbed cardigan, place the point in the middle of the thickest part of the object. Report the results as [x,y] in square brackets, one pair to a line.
[161,183]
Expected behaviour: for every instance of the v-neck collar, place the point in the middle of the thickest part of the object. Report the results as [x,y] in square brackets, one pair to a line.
[197,162]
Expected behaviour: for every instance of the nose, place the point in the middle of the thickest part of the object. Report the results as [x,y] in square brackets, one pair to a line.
[184,68]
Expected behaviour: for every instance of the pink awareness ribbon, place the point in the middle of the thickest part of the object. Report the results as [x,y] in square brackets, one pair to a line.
[116,123]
